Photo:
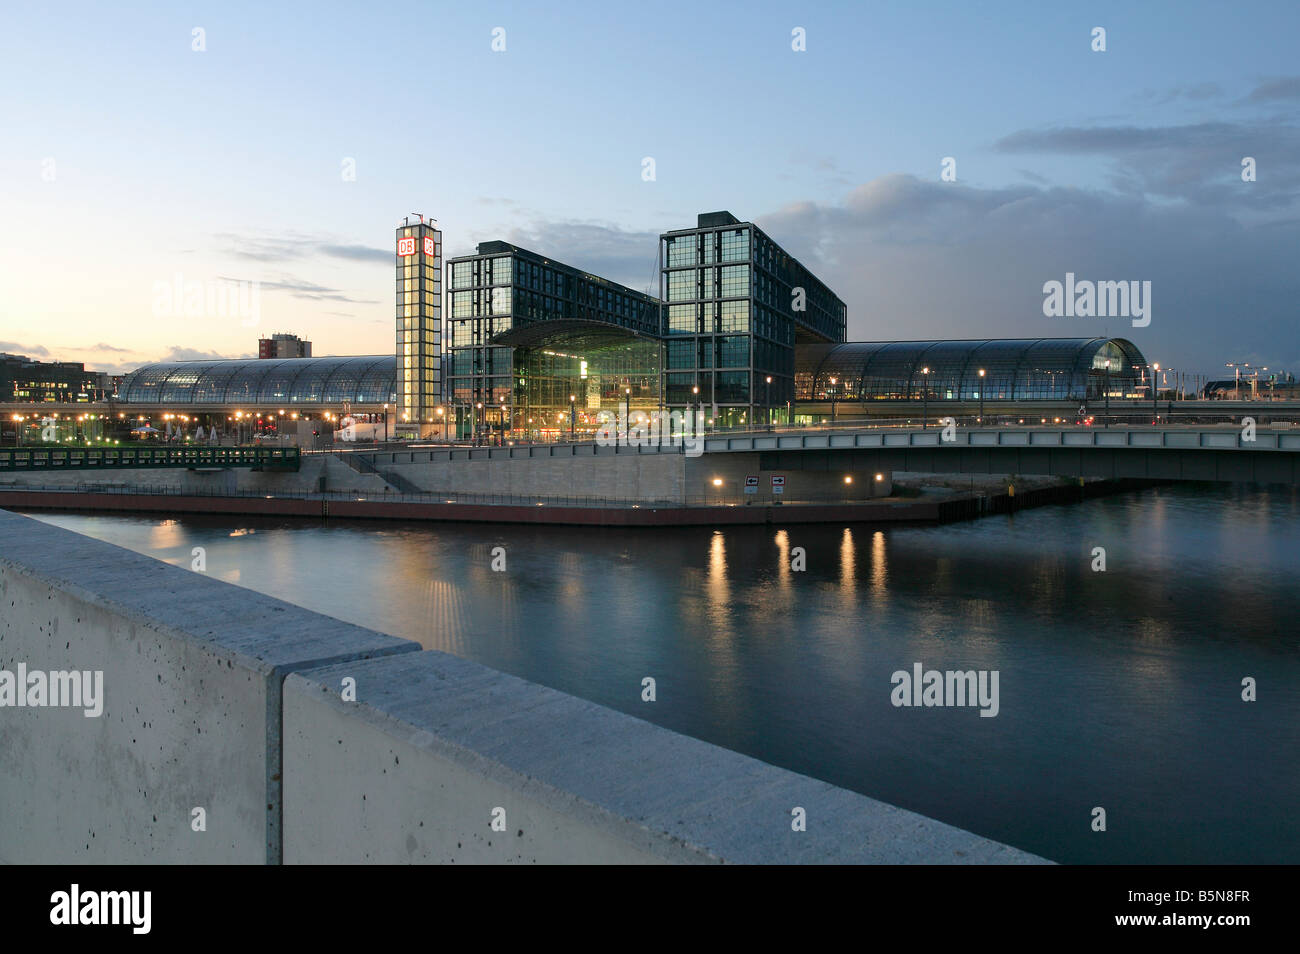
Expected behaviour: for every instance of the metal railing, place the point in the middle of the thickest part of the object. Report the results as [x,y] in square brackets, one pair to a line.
[716,499]
[77,458]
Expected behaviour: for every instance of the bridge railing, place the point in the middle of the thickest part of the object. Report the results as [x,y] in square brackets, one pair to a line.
[72,457]
[721,498]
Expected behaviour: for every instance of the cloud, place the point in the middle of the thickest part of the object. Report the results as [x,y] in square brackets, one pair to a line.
[628,258]
[918,259]
[13,347]
[1198,163]
[358,253]
[1286,87]
[297,246]
[180,353]
[300,288]
[108,347]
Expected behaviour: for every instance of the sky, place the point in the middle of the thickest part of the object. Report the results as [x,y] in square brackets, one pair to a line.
[288,147]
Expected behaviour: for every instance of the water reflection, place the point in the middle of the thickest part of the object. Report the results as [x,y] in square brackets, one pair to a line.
[1123,685]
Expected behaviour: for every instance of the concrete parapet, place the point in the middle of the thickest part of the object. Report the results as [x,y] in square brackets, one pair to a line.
[191,671]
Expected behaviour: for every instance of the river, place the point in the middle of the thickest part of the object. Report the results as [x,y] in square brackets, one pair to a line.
[1119,689]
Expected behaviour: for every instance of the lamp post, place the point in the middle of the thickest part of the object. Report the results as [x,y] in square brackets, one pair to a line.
[925,398]
[385,423]
[573,414]
[767,398]
[441,413]
[833,383]
[627,418]
[1108,392]
[981,395]
[478,433]
[1155,411]
[504,422]
[696,430]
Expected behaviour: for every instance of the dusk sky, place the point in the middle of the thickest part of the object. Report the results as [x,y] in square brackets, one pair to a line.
[128,158]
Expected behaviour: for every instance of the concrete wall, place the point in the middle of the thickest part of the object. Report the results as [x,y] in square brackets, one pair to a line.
[338,476]
[638,477]
[800,484]
[220,698]
[191,711]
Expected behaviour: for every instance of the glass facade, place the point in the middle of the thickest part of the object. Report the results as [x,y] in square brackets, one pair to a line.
[736,305]
[525,332]
[1075,369]
[419,326]
[299,382]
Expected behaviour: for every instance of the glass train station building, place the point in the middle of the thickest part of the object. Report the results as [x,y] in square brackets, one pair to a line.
[533,348]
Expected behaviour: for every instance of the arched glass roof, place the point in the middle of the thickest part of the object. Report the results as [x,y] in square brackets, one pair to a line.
[364,379]
[1015,369]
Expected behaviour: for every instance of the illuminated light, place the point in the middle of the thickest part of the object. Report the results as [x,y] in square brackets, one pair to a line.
[880,477]
[848,479]
[717,481]
[406,246]
[429,247]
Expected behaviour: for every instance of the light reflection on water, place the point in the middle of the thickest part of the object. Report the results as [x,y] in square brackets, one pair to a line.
[1119,689]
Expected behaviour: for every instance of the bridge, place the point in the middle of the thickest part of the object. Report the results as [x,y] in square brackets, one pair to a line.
[1173,452]
[145,456]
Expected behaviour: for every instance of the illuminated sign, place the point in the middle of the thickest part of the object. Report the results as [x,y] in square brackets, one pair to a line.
[406,246]
[428,245]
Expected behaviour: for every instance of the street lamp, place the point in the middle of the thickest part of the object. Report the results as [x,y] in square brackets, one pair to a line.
[627,418]
[478,433]
[1155,411]
[441,413]
[981,395]
[768,400]
[833,383]
[1108,392]
[925,398]
[386,421]
[573,414]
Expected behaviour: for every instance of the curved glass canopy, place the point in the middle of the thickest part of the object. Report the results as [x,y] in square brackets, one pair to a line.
[1017,369]
[365,379]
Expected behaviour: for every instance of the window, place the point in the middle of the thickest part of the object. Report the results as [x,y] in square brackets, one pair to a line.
[735,281]
[681,250]
[735,246]
[681,354]
[681,285]
[681,319]
[501,271]
[733,351]
[735,317]
[462,304]
[462,275]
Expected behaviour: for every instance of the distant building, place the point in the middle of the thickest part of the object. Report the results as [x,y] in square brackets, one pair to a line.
[24,379]
[283,346]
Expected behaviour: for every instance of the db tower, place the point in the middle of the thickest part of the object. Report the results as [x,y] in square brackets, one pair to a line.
[419,327]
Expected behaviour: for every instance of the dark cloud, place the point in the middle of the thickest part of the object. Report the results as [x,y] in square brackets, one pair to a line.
[294,247]
[620,256]
[1286,87]
[358,253]
[13,347]
[1198,163]
[925,259]
[300,288]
